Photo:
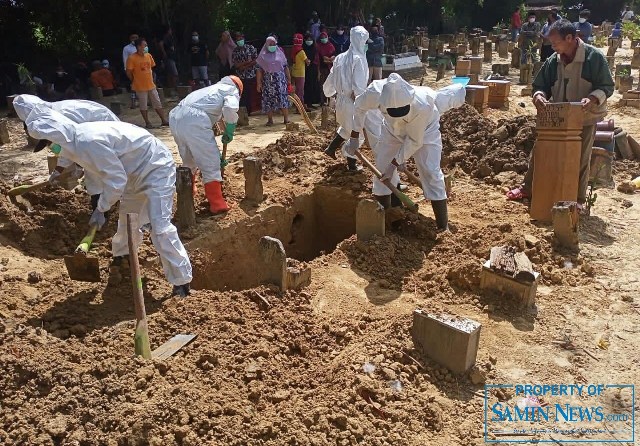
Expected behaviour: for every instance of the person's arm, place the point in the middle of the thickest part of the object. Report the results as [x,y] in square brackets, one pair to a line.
[288,74]
[329,86]
[230,108]
[108,167]
[602,82]
[543,82]
[259,80]
[360,76]
[415,130]
[130,69]
[369,100]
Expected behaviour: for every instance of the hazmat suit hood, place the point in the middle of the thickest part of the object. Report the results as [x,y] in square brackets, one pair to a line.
[46,124]
[396,92]
[25,103]
[359,37]
[228,81]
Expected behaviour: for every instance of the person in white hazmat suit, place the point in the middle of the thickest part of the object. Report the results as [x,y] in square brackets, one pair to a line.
[410,128]
[192,122]
[347,80]
[133,167]
[78,111]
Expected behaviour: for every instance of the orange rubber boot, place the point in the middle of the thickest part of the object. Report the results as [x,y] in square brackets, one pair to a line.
[213,191]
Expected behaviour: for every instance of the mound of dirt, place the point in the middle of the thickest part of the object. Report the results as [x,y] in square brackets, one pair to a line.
[482,148]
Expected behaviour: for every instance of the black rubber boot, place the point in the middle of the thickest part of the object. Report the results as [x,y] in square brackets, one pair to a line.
[441,213]
[352,166]
[395,201]
[181,290]
[384,200]
[334,146]
[94,205]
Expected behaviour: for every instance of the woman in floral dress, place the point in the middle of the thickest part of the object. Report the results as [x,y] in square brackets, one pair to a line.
[274,80]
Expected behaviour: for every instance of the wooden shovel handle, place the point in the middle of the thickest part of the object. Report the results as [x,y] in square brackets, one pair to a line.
[402,197]
[141,336]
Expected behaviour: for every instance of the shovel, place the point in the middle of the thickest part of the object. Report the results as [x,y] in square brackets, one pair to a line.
[223,158]
[81,267]
[402,197]
[20,190]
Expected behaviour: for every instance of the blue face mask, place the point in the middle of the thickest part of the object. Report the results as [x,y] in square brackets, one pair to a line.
[55,148]
[324,40]
[272,48]
[240,43]
[146,49]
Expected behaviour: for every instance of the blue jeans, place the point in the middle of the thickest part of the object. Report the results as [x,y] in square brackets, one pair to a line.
[514,34]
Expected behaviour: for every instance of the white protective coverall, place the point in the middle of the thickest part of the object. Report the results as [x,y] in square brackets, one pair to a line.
[78,111]
[417,134]
[192,124]
[132,166]
[347,80]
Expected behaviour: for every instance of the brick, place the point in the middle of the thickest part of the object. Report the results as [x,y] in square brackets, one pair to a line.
[252,168]
[370,219]
[449,340]
[523,292]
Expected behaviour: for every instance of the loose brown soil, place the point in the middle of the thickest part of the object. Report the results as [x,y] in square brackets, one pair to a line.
[292,372]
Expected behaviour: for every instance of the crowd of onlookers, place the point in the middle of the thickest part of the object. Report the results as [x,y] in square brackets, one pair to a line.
[528,34]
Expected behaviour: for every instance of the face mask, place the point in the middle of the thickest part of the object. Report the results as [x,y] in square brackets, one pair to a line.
[59,73]
[324,40]
[532,20]
[366,47]
[195,39]
[272,48]
[240,42]
[146,49]
[55,148]
[582,20]
[309,42]
[340,33]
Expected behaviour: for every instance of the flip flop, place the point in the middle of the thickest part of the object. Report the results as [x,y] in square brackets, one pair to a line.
[518,194]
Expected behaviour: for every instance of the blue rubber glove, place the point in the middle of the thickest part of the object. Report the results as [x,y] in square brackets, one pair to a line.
[229,130]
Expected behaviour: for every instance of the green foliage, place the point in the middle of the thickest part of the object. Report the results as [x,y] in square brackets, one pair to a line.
[631,30]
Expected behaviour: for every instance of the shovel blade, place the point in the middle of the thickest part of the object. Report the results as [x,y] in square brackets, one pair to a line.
[83,268]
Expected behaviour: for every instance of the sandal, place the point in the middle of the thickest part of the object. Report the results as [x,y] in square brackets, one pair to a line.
[518,194]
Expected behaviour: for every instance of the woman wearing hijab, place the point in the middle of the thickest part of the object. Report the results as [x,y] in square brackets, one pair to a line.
[300,62]
[340,40]
[224,51]
[311,85]
[325,55]
[274,80]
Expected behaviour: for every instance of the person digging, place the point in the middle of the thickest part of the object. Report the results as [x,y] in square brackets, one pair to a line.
[191,124]
[134,168]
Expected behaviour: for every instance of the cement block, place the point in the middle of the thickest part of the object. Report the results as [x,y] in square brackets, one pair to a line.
[524,292]
[448,340]
[252,168]
[370,219]
[274,260]
[297,278]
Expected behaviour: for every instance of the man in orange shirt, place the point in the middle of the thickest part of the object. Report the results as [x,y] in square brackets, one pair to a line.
[101,77]
[139,66]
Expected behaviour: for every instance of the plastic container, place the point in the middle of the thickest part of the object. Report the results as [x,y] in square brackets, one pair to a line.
[463,80]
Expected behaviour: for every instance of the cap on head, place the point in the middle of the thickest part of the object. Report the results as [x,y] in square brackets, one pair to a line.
[396,93]
[236,80]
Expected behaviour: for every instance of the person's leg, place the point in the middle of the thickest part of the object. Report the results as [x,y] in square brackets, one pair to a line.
[269,118]
[119,243]
[588,135]
[195,74]
[143,98]
[370,74]
[285,115]
[204,75]
[164,236]
[157,105]
[427,160]
[299,83]
[377,73]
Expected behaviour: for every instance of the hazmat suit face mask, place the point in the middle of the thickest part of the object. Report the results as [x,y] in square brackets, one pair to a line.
[582,20]
[272,48]
[55,148]
[240,43]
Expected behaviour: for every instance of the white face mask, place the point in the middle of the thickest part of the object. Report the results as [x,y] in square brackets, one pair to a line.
[582,20]
[532,20]
[340,33]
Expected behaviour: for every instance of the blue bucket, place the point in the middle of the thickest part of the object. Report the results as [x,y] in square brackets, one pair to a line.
[463,80]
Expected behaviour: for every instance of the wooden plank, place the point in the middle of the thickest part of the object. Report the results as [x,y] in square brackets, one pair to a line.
[172,346]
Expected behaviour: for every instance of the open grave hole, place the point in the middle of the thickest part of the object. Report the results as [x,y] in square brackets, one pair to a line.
[232,258]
